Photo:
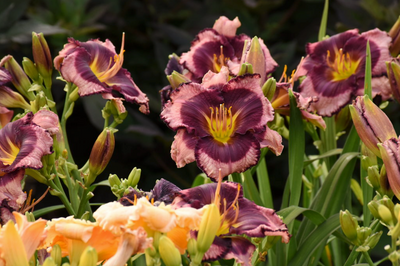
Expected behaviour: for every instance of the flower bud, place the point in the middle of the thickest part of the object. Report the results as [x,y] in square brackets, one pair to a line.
[192,247]
[245,68]
[349,225]
[168,252]
[393,72]
[12,99]
[373,208]
[49,262]
[114,180]
[209,226]
[42,58]
[395,34]
[56,254]
[269,88]
[362,234]
[373,177]
[342,119]
[134,177]
[30,69]
[19,79]
[390,155]
[385,214]
[176,79]
[101,154]
[373,239]
[372,124]
[89,257]
[368,158]
[254,55]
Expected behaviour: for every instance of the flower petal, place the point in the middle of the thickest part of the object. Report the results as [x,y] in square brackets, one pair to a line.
[390,151]
[242,152]
[182,149]
[11,195]
[227,27]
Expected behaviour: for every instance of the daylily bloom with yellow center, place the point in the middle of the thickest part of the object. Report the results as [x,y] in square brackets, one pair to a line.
[220,124]
[335,69]
[95,68]
[18,242]
[74,235]
[237,216]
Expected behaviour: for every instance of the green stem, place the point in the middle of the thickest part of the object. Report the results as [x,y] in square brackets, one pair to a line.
[71,189]
[352,257]
[67,106]
[264,184]
[328,138]
[368,258]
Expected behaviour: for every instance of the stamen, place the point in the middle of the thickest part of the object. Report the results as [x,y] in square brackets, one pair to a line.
[284,76]
[28,205]
[221,123]
[341,64]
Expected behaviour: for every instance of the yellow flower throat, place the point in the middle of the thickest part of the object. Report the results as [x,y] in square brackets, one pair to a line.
[343,66]
[221,123]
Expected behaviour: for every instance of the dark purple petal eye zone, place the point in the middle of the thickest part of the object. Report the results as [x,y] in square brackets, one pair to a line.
[240,153]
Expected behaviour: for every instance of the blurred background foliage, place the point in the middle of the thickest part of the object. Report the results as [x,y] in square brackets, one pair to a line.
[154,29]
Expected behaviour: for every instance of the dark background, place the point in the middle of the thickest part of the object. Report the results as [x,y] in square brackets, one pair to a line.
[154,29]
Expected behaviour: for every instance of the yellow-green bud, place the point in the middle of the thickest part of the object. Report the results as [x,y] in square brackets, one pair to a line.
[168,252]
[373,176]
[101,154]
[269,88]
[349,225]
[209,226]
[134,177]
[356,188]
[89,257]
[19,78]
[373,208]
[29,216]
[49,262]
[385,214]
[114,180]
[270,242]
[74,95]
[176,79]
[56,254]
[362,234]
[373,239]
[245,68]
[192,247]
[30,69]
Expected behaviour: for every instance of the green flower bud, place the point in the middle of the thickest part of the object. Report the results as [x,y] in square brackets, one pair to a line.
[349,225]
[254,55]
[89,257]
[19,78]
[49,262]
[385,214]
[168,252]
[373,177]
[74,95]
[362,234]
[373,239]
[101,154]
[56,254]
[209,226]
[114,180]
[42,58]
[192,247]
[269,88]
[12,99]
[30,69]
[368,158]
[176,79]
[134,177]
[245,68]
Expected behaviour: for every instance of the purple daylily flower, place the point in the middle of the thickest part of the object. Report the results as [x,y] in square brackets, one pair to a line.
[22,145]
[220,124]
[11,195]
[335,69]
[239,216]
[94,67]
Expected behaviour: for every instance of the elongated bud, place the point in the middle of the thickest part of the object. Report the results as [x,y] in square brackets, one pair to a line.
[30,69]
[356,188]
[19,79]
[89,257]
[390,154]
[42,57]
[245,68]
[101,153]
[192,247]
[134,177]
[393,72]
[373,177]
[269,88]
[168,252]
[373,239]
[372,124]
[368,158]
[56,254]
[254,55]
[12,99]
[395,34]
[385,214]
[114,180]
[373,208]
[209,226]
[349,225]
[176,79]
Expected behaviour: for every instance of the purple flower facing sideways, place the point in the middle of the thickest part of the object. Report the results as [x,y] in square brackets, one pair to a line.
[335,69]
[238,216]
[22,145]
[95,68]
[220,124]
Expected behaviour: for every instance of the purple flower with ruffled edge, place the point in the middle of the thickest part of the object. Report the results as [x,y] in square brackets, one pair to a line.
[335,69]
[220,46]
[22,145]
[220,124]
[94,67]
[239,216]
[11,195]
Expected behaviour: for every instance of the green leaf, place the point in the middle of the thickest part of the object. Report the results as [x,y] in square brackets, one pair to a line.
[296,150]
[368,72]
[264,184]
[316,238]
[291,212]
[250,188]
[324,20]
[46,210]
[324,155]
